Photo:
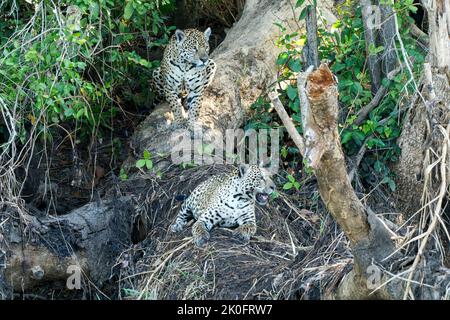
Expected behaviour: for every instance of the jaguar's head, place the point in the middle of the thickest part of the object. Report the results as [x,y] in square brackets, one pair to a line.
[256,182]
[193,46]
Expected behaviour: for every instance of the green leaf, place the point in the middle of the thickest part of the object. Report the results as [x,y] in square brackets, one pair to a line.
[128,11]
[375,142]
[375,50]
[295,105]
[346,82]
[346,136]
[299,3]
[295,65]
[412,8]
[282,58]
[358,136]
[123,175]
[304,12]
[274,195]
[287,186]
[297,185]
[149,164]
[140,163]
[297,117]
[94,10]
[146,154]
[338,67]
[378,166]
[387,131]
[68,112]
[390,183]
[79,113]
[291,92]
[284,152]
[291,178]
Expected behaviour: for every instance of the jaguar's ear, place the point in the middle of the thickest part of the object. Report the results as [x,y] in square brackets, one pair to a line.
[179,34]
[207,33]
[243,168]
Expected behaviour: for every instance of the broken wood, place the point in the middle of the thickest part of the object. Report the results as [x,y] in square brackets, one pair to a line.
[89,238]
[321,148]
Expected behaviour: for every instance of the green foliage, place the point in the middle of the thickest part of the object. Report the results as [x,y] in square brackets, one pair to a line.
[344,46]
[291,183]
[146,161]
[188,165]
[72,64]
[123,175]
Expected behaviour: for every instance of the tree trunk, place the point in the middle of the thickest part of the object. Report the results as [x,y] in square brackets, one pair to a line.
[429,108]
[370,28]
[321,148]
[387,38]
[89,238]
[310,51]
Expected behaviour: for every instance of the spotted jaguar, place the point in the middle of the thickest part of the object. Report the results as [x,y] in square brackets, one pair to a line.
[226,200]
[185,71]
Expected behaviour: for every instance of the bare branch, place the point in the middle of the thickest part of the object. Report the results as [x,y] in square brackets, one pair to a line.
[287,121]
[364,112]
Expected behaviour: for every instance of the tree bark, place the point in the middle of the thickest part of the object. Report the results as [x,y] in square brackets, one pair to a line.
[387,38]
[439,30]
[89,238]
[429,107]
[370,21]
[310,51]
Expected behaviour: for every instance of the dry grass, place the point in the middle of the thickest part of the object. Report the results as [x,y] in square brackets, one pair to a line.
[296,253]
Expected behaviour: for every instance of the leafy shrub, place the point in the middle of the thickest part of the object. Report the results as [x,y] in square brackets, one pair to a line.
[344,47]
[67,64]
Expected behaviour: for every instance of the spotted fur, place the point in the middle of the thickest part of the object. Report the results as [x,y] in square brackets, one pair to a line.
[185,71]
[226,200]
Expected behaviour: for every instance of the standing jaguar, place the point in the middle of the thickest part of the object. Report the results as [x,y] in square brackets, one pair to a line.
[226,200]
[185,71]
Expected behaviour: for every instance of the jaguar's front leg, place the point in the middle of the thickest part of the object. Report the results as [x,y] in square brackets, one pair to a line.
[183,218]
[210,72]
[194,101]
[176,106]
[196,85]
[247,226]
[246,231]
[200,231]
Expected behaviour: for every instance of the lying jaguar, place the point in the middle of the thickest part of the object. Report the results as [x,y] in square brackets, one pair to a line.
[226,200]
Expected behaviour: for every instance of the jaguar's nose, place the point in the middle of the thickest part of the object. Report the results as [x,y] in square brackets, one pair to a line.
[204,59]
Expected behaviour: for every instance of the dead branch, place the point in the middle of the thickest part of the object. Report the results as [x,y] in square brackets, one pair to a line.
[364,112]
[421,36]
[322,151]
